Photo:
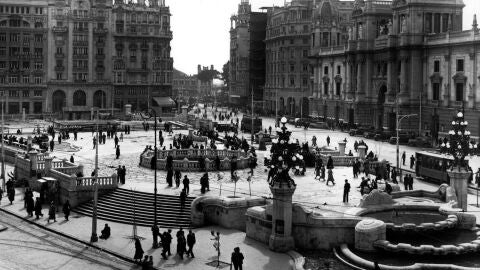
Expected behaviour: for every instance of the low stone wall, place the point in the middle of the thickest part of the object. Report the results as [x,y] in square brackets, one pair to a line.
[186,165]
[206,153]
[227,212]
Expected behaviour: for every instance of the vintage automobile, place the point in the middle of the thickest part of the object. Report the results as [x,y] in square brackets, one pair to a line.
[383,135]
[360,130]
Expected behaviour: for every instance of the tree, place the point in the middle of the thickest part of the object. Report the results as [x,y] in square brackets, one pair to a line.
[208,75]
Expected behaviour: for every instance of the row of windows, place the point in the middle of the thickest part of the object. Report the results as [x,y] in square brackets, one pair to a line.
[16,65]
[459,68]
[20,10]
[459,91]
[24,79]
[16,37]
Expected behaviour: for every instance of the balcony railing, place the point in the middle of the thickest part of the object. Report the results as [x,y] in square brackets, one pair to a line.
[100,43]
[100,69]
[59,55]
[100,56]
[59,68]
[100,31]
[80,68]
[80,43]
[60,29]
[80,56]
[80,29]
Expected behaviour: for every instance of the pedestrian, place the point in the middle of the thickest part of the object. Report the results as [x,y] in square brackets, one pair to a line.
[155,234]
[117,152]
[138,251]
[405,182]
[66,209]
[1,194]
[116,141]
[394,176]
[237,259]
[51,213]
[410,182]
[178,176]
[330,162]
[412,161]
[52,144]
[322,173]
[38,208]
[403,158]
[346,190]
[166,241]
[328,140]
[388,188]
[30,206]
[123,175]
[119,173]
[183,198]
[105,232]
[190,243]
[330,177]
[121,136]
[72,160]
[186,184]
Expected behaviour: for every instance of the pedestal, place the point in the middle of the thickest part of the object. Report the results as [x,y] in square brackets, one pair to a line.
[281,239]
[362,151]
[341,147]
[128,109]
[459,182]
[367,232]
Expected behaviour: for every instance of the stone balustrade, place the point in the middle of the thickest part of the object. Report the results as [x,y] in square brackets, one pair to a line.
[449,223]
[186,165]
[188,153]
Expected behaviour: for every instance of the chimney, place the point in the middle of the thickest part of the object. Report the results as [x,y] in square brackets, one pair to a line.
[199,68]
[211,67]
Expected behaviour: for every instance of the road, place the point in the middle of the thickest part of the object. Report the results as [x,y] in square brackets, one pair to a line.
[24,246]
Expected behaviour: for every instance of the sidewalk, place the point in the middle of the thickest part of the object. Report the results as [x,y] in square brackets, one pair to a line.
[257,255]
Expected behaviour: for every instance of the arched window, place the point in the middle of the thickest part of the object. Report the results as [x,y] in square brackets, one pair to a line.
[100,99]
[79,98]
[38,25]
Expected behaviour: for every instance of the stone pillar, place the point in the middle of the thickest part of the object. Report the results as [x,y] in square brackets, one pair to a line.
[341,147]
[362,151]
[29,143]
[367,232]
[197,123]
[48,165]
[184,110]
[281,239]
[114,179]
[32,155]
[459,182]
[190,132]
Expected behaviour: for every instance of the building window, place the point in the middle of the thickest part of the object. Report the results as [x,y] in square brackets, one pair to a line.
[59,76]
[325,70]
[13,93]
[292,81]
[38,80]
[292,68]
[436,66]
[325,88]
[12,79]
[436,91]
[339,69]
[37,93]
[459,92]
[25,79]
[25,93]
[338,88]
[25,65]
[460,65]
[38,65]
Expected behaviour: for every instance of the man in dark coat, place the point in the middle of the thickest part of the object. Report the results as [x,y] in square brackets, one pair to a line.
[30,206]
[186,184]
[166,241]
[117,152]
[346,190]
[190,242]
[51,212]
[330,162]
[237,259]
[105,232]
[38,208]
[66,209]
[155,234]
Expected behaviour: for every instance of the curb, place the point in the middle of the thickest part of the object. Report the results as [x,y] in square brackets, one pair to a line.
[117,255]
[298,260]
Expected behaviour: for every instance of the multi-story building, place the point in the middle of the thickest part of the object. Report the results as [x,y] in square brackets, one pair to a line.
[142,66]
[247,54]
[287,62]
[23,55]
[78,67]
[184,86]
[402,57]
[204,85]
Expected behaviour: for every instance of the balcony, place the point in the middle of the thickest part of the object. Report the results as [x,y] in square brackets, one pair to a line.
[59,29]
[100,56]
[99,69]
[138,70]
[59,55]
[144,47]
[80,30]
[80,56]
[84,68]
[100,43]
[59,68]
[80,43]
[59,42]
[37,56]
[100,31]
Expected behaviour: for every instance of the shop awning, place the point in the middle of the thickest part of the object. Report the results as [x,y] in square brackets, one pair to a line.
[164,102]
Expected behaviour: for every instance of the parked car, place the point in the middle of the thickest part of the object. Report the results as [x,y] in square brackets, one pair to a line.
[403,138]
[383,136]
[421,142]
[370,134]
[318,124]
[360,130]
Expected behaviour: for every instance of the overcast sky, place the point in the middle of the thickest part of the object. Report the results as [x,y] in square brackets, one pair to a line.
[201,29]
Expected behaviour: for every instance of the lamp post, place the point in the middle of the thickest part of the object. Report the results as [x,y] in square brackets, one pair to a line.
[147,115]
[3,153]
[399,120]
[94,237]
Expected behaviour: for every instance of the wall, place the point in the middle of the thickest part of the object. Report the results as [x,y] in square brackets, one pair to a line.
[224,211]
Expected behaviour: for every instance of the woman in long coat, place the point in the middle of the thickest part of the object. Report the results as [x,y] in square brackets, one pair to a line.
[38,208]
[138,251]
[66,209]
[30,206]
[51,212]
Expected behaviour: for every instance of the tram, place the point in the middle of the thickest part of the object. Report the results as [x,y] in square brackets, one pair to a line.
[433,166]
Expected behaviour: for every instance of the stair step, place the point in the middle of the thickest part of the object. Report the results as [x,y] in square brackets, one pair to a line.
[117,206]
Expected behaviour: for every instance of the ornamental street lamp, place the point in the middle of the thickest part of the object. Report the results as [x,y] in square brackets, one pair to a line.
[148,115]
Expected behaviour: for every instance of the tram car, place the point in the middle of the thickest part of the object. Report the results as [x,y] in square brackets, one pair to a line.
[433,166]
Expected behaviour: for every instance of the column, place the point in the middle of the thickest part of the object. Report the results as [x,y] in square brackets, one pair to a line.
[348,80]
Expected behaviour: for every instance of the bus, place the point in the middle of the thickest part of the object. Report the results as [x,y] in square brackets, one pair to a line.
[433,166]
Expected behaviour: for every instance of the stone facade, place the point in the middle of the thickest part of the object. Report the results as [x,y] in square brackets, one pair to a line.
[400,57]
[23,55]
[184,86]
[247,54]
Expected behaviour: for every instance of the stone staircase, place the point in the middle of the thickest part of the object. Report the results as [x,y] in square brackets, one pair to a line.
[120,205]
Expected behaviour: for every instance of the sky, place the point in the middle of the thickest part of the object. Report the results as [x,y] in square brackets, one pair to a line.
[201,29]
